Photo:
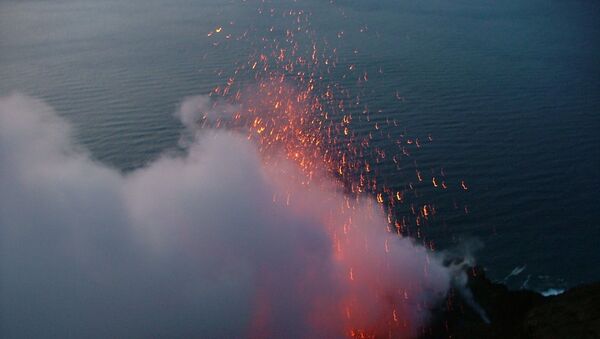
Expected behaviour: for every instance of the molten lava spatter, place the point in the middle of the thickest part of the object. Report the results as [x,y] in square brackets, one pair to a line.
[292,108]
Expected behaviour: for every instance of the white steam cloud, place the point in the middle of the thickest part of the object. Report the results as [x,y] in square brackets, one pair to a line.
[210,244]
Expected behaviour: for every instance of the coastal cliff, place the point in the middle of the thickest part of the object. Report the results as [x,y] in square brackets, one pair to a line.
[517,314]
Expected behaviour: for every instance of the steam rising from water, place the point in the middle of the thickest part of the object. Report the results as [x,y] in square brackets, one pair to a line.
[213,243]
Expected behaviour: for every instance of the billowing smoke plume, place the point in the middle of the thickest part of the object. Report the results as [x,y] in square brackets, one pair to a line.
[210,244]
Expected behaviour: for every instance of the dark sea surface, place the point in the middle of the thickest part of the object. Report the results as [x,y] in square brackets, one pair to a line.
[508,90]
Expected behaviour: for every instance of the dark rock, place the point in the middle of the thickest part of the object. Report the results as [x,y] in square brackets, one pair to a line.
[517,314]
[573,314]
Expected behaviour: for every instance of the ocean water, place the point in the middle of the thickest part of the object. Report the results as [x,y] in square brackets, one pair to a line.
[508,91]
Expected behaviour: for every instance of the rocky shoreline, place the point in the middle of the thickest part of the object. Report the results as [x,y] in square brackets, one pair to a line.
[517,314]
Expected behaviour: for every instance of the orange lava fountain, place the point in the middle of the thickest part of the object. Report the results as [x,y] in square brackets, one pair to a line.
[294,112]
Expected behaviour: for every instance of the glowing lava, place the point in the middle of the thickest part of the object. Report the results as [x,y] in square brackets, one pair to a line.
[296,114]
